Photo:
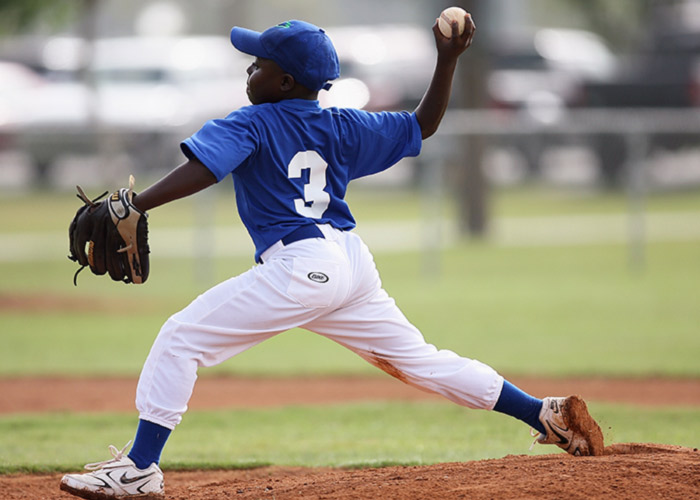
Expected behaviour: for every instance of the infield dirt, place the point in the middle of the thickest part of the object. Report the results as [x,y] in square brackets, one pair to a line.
[627,471]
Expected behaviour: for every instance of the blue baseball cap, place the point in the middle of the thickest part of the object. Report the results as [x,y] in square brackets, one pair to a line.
[299,48]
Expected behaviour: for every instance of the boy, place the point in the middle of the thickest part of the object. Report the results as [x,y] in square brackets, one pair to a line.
[291,162]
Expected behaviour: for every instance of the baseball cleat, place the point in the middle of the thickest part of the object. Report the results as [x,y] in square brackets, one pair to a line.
[116,478]
[570,426]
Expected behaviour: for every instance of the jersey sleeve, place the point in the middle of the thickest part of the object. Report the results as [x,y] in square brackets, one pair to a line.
[223,144]
[379,140]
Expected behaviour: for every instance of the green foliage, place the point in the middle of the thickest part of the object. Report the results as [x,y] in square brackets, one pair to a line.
[17,15]
[621,22]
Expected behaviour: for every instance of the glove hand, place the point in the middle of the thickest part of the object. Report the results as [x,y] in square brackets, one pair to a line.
[131,224]
[111,236]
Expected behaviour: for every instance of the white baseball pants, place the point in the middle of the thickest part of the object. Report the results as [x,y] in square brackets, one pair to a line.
[329,286]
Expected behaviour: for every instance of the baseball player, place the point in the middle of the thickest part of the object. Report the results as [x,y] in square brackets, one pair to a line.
[291,162]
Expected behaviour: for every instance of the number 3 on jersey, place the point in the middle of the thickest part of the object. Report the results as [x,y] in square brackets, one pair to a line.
[315,200]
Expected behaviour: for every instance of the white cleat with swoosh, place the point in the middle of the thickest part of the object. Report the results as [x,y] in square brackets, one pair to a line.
[116,478]
[570,426]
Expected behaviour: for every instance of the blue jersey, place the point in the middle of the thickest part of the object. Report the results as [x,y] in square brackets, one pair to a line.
[291,161]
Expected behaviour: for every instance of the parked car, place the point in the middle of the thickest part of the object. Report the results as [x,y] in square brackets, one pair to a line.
[14,79]
[143,94]
[552,62]
[663,73]
[541,74]
[146,94]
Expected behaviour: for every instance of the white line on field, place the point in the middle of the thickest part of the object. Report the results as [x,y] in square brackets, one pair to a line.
[385,236]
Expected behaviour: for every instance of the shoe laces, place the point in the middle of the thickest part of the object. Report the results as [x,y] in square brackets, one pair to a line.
[536,434]
[117,455]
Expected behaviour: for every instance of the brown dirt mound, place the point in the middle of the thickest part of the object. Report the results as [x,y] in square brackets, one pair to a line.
[627,471]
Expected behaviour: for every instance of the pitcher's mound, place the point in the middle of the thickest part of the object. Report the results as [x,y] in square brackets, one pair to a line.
[626,472]
[641,448]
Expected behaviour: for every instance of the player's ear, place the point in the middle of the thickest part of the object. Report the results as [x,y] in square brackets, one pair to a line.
[287,82]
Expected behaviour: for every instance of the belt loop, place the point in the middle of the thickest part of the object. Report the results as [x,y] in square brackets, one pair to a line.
[329,232]
[271,250]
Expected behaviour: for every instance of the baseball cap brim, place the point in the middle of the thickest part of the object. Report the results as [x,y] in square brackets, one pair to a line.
[248,42]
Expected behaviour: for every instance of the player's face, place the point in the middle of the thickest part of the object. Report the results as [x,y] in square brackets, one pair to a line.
[265,79]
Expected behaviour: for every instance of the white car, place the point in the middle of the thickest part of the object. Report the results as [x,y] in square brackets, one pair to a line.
[144,94]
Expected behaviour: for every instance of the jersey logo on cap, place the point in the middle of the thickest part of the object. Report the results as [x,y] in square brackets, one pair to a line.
[286,24]
[317,277]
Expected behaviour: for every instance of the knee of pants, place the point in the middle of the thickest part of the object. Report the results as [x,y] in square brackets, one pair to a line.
[177,340]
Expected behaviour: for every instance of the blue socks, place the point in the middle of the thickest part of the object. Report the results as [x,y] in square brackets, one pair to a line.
[148,444]
[520,405]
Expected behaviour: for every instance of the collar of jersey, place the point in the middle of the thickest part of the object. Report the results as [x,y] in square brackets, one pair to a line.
[300,104]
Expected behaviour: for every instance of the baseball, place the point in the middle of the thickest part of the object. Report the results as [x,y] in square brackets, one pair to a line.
[447,16]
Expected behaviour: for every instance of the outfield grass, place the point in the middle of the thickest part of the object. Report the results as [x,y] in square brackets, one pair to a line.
[536,309]
[551,311]
[554,310]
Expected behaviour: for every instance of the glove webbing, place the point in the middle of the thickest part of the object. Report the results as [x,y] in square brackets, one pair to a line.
[90,203]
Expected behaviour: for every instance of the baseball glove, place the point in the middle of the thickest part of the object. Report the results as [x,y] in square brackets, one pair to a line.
[110,236]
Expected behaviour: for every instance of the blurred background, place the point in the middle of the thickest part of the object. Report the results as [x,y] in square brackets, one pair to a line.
[581,97]
[574,93]
[551,227]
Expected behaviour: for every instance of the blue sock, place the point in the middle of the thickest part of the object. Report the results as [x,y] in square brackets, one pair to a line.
[148,444]
[520,405]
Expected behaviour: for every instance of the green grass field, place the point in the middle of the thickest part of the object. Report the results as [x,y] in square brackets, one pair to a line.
[537,307]
[350,435]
